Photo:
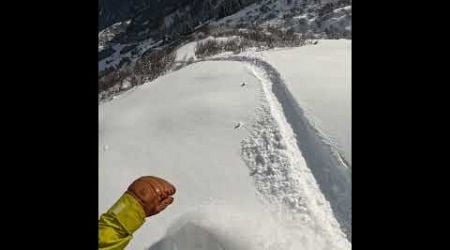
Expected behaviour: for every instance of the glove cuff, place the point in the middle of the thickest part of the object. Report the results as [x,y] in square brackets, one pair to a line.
[129,212]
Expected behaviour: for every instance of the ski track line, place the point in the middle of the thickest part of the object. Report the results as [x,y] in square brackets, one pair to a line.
[275,172]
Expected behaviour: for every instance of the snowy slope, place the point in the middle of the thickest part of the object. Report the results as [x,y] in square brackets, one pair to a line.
[317,103]
[320,79]
[192,127]
[318,76]
[180,127]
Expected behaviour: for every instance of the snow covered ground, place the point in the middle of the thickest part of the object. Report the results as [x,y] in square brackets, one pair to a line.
[244,157]
[320,78]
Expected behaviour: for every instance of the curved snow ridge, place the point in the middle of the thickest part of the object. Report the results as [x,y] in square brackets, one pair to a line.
[329,169]
[325,162]
[287,185]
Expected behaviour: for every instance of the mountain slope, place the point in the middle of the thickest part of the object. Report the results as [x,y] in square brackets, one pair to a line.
[243,182]
[174,18]
[322,84]
[150,18]
[321,19]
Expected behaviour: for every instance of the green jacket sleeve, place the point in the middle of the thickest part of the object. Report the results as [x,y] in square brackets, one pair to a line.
[117,225]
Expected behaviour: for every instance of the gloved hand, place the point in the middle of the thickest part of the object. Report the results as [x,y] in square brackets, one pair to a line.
[153,193]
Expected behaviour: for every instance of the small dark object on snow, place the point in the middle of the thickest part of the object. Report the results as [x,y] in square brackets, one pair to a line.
[238,125]
[243,84]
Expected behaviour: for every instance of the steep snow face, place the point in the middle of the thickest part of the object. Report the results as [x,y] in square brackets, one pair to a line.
[320,78]
[195,127]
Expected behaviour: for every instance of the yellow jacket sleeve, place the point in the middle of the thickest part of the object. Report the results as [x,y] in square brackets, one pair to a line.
[117,225]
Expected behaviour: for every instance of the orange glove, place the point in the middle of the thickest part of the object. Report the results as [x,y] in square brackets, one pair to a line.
[153,193]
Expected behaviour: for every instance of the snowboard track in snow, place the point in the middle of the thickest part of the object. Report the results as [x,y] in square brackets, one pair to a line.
[330,170]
